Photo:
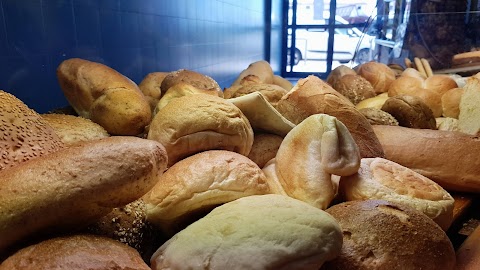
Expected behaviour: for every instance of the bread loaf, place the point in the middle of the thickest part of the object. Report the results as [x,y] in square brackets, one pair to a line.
[25,134]
[410,111]
[264,148]
[449,158]
[193,78]
[378,117]
[469,116]
[313,96]
[282,82]
[151,87]
[373,102]
[73,187]
[451,102]
[272,93]
[468,254]
[378,74]
[338,73]
[261,69]
[354,87]
[105,96]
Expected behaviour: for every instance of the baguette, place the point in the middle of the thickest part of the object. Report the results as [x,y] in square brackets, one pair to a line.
[105,96]
[75,186]
[447,157]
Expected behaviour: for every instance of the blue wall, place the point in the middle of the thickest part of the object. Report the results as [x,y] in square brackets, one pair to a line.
[218,38]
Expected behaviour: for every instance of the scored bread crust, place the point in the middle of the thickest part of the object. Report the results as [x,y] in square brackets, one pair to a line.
[382,179]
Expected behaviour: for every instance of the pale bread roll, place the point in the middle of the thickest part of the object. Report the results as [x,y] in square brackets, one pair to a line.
[261,69]
[448,158]
[313,96]
[383,235]
[469,116]
[195,123]
[74,129]
[25,134]
[284,83]
[192,78]
[199,183]
[105,96]
[151,87]
[378,74]
[451,102]
[254,232]
[447,123]
[75,186]
[76,252]
[381,179]
[264,148]
[373,102]
[310,153]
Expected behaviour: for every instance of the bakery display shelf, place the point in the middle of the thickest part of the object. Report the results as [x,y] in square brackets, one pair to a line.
[463,71]
[466,215]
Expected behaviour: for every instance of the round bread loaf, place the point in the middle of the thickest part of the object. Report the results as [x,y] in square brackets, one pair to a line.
[151,87]
[76,252]
[74,129]
[25,134]
[195,123]
[199,183]
[378,74]
[313,96]
[451,102]
[378,117]
[410,111]
[338,72]
[192,78]
[105,96]
[354,87]
[264,148]
[383,235]
[254,232]
[74,186]
[381,179]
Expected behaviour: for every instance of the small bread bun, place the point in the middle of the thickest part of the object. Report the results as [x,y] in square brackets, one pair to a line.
[354,87]
[410,111]
[384,235]
[193,78]
[197,184]
[150,87]
[382,179]
[272,93]
[254,232]
[264,148]
[378,74]
[451,102]
[447,123]
[374,102]
[74,129]
[339,72]
[378,117]
[76,252]
[194,123]
[25,134]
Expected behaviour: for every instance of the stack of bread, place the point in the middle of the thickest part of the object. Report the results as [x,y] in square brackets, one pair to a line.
[175,173]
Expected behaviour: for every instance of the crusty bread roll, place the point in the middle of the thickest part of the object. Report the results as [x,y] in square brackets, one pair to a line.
[311,152]
[378,117]
[312,96]
[76,252]
[469,116]
[192,78]
[451,102]
[447,123]
[254,232]
[382,179]
[272,93]
[468,254]
[25,134]
[354,87]
[264,148]
[374,102]
[384,235]
[378,74]
[194,123]
[261,69]
[105,96]
[338,72]
[199,183]
[151,87]
[449,158]
[74,186]
[411,72]
[282,82]
[74,129]
[247,80]
[410,111]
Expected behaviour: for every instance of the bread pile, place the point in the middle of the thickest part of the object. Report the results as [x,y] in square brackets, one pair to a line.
[177,174]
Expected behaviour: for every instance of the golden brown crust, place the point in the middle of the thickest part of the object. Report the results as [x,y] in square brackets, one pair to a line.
[272,93]
[384,235]
[378,117]
[373,102]
[378,74]
[261,69]
[76,252]
[354,87]
[312,96]
[284,83]
[105,96]
[410,111]
[338,72]
[264,148]
[150,87]
[25,134]
[451,102]
[190,77]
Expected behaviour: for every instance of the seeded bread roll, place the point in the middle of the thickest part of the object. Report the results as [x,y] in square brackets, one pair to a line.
[381,179]
[105,96]
[410,111]
[384,235]
[195,123]
[354,87]
[254,232]
[378,74]
[25,134]
[338,72]
[74,129]
[76,252]
[378,117]
[151,87]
